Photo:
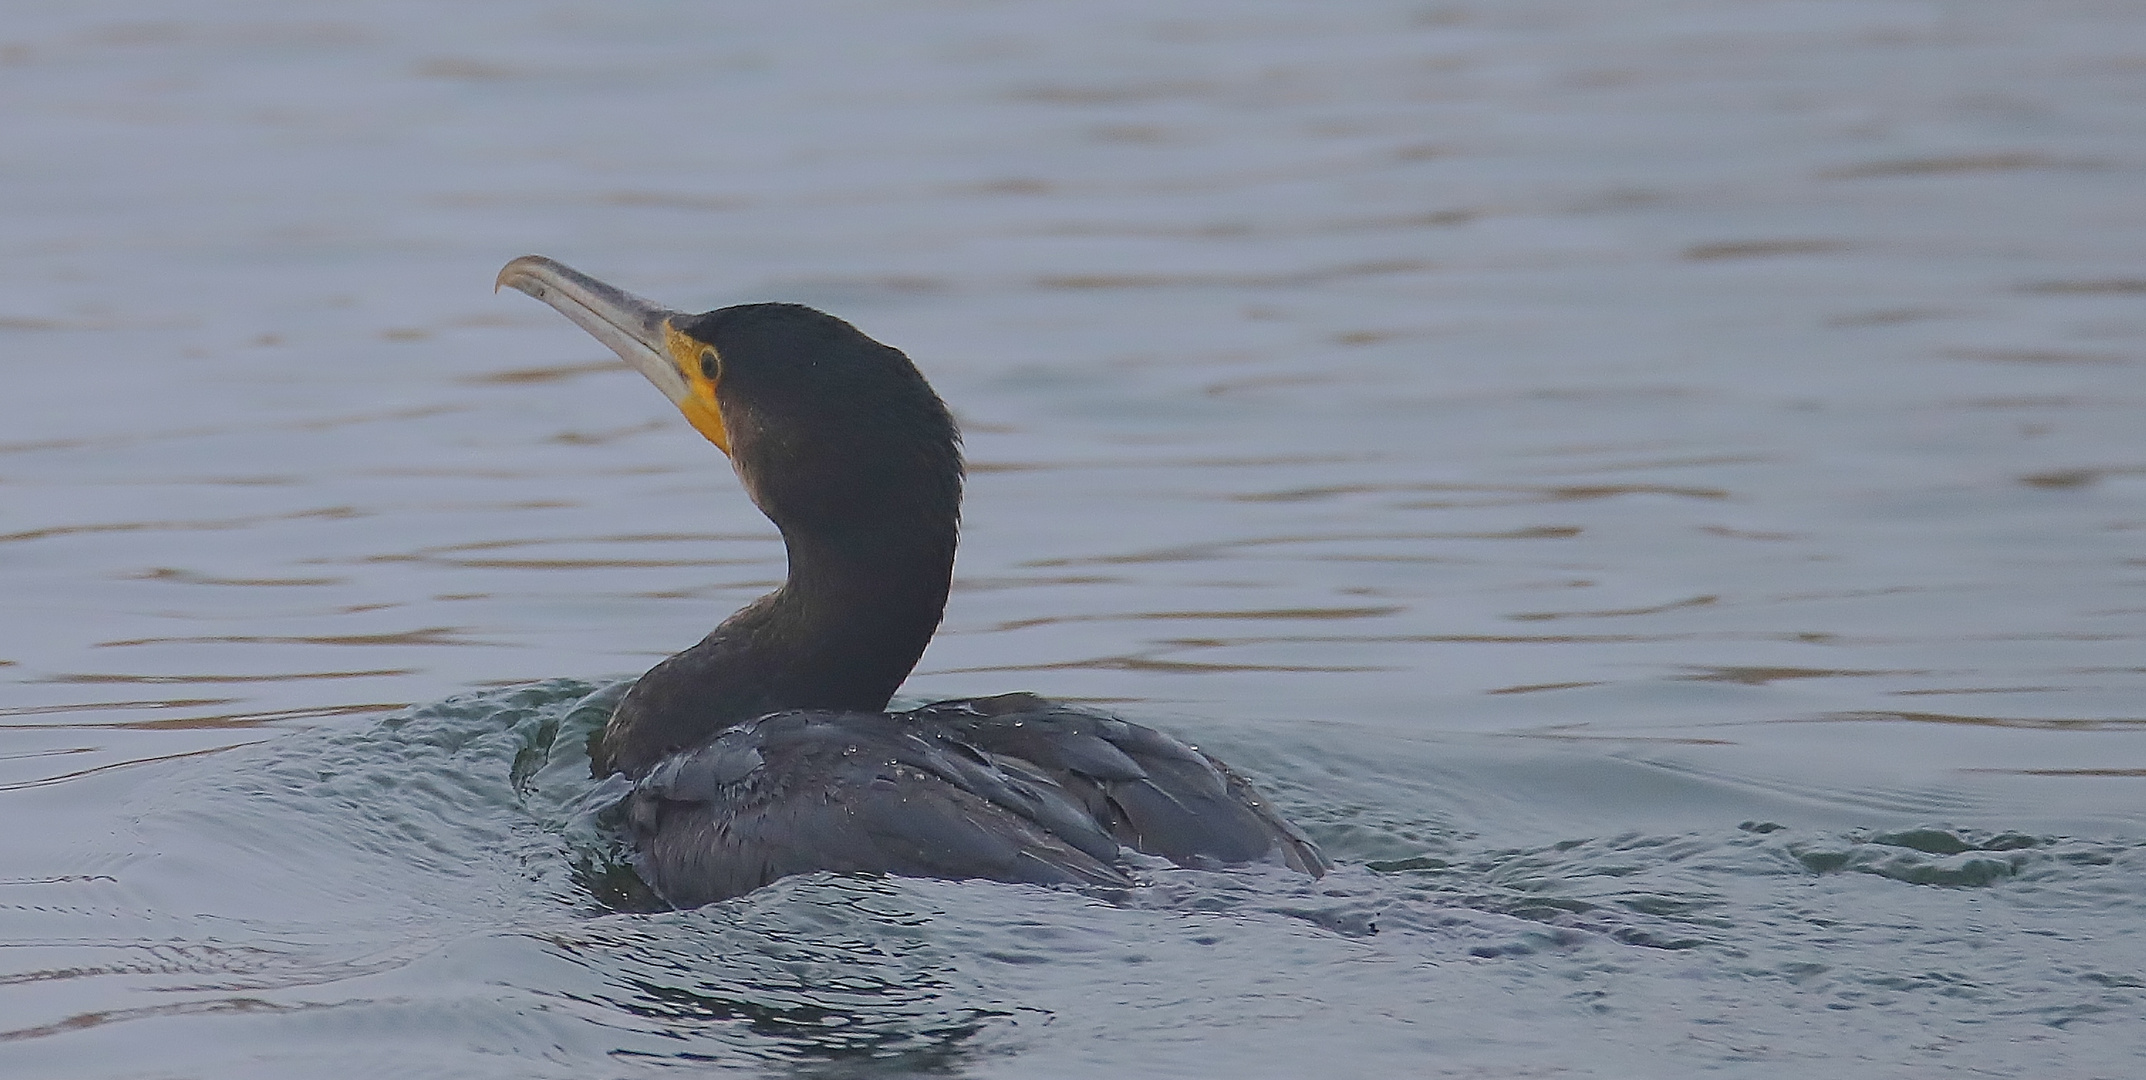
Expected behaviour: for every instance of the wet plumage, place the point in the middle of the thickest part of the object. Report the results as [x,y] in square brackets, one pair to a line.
[765,750]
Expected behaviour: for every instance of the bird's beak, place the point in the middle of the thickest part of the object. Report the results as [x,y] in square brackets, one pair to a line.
[635,329]
[641,333]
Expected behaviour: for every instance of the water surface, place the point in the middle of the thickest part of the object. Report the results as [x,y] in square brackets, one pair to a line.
[1657,489]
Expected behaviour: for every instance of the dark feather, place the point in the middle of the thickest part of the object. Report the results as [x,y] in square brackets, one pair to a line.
[1011,789]
[762,751]
[1151,792]
[799,792]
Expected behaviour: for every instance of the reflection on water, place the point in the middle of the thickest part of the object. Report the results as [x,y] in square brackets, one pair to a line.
[1657,490]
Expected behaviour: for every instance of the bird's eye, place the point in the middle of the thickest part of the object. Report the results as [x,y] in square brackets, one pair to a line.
[710,367]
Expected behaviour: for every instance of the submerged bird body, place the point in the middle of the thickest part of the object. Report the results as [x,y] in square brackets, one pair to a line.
[764,750]
[1012,789]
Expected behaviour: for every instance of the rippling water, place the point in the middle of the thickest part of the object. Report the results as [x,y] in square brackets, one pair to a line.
[1658,489]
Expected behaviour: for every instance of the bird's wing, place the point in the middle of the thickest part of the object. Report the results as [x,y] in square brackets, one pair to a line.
[851,793]
[1152,792]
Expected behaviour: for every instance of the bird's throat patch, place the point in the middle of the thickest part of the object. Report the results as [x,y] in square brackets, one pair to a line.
[702,404]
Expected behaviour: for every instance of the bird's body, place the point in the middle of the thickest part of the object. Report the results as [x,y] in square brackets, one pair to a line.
[1013,788]
[765,750]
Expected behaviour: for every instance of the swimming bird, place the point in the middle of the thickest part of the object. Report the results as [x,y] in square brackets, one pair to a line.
[766,749]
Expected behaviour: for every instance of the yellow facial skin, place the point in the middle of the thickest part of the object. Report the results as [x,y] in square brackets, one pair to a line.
[701,406]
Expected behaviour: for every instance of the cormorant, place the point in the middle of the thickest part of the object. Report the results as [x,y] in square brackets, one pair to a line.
[766,749]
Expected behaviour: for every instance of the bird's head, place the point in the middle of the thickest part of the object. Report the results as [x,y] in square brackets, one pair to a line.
[827,428]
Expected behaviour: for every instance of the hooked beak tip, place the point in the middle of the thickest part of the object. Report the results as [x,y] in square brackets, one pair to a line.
[518,274]
[632,327]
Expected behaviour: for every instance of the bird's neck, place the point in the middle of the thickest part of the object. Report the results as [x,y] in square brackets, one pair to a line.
[841,633]
[854,615]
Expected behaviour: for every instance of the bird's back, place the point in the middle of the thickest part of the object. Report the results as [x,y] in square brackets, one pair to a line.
[1012,788]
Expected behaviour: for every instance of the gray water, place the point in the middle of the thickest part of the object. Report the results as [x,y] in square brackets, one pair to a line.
[1658,489]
